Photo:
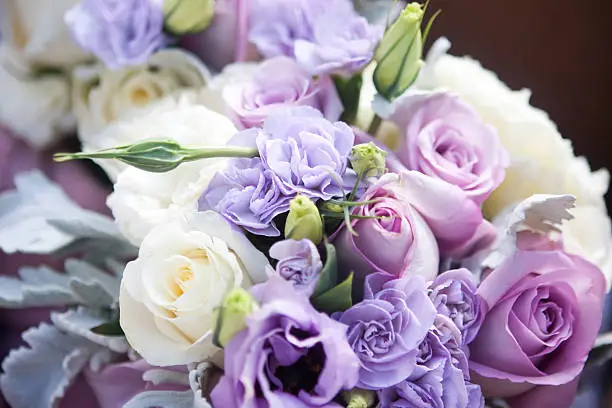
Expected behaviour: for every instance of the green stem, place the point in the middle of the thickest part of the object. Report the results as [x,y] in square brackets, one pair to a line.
[224,151]
[375,125]
[356,186]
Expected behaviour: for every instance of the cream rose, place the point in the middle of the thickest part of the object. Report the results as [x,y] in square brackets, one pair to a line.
[169,293]
[102,96]
[542,161]
[36,31]
[143,200]
[35,107]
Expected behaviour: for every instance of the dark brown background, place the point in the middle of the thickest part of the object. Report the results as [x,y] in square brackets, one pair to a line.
[560,49]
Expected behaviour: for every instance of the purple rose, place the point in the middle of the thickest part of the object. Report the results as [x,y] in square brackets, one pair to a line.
[225,40]
[399,242]
[445,138]
[119,32]
[386,328]
[453,293]
[307,153]
[324,36]
[298,262]
[545,310]
[301,152]
[280,83]
[289,355]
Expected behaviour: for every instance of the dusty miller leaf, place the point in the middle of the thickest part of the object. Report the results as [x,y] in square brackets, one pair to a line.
[38,218]
[39,375]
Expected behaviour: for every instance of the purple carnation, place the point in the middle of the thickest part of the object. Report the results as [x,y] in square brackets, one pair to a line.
[280,83]
[298,262]
[386,328]
[289,355]
[301,152]
[454,295]
[119,32]
[324,36]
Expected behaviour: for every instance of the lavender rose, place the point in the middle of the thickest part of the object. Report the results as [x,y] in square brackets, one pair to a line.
[298,262]
[453,293]
[324,36]
[288,355]
[386,328]
[278,83]
[119,32]
[545,310]
[409,246]
[444,138]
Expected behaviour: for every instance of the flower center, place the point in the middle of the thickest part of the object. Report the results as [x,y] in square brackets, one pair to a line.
[377,339]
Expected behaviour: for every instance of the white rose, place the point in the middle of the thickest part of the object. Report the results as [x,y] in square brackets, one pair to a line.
[542,161]
[101,96]
[35,29]
[35,107]
[169,293]
[143,200]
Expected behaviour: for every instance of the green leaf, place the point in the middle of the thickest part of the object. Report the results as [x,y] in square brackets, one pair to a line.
[337,299]
[109,329]
[349,90]
[328,277]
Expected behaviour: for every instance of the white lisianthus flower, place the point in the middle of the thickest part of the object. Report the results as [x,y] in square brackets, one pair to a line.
[35,29]
[143,200]
[182,273]
[542,161]
[102,96]
[36,107]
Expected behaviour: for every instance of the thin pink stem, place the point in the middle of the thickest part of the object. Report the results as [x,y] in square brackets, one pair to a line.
[242,30]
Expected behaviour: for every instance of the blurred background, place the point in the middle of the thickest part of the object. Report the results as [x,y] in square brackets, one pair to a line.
[560,49]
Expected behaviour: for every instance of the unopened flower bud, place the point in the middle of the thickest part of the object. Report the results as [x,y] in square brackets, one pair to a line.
[237,305]
[159,156]
[358,398]
[368,159]
[304,221]
[399,54]
[188,16]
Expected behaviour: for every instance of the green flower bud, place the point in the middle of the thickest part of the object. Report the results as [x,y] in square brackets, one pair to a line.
[368,159]
[399,54]
[237,305]
[304,220]
[159,156]
[188,16]
[358,398]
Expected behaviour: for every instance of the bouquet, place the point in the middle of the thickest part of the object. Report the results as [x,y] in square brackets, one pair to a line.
[307,211]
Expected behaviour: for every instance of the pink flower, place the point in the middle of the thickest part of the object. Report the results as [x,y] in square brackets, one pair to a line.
[545,309]
[444,138]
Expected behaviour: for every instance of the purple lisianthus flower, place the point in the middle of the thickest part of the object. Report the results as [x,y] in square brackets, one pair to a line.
[289,355]
[119,32]
[300,152]
[247,194]
[307,153]
[280,83]
[386,328]
[454,296]
[324,36]
[299,262]
[441,377]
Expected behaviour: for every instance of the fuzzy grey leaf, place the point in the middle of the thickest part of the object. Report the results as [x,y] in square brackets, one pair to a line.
[91,293]
[15,293]
[38,375]
[166,399]
[89,273]
[80,321]
[37,217]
